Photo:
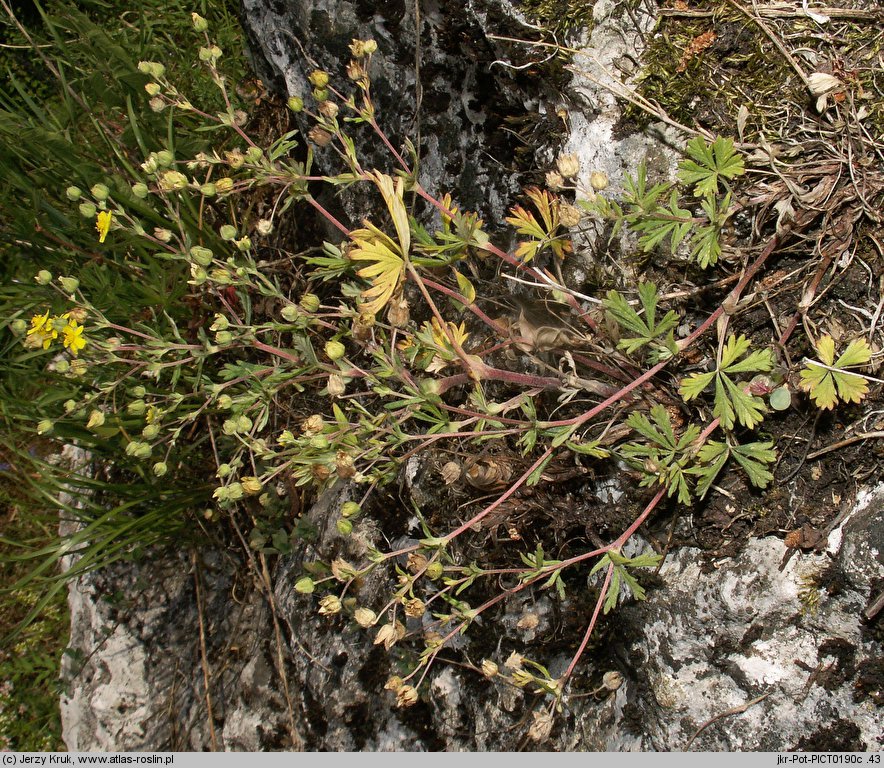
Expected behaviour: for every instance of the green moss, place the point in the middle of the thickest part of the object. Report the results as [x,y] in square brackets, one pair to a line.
[561,17]
[743,67]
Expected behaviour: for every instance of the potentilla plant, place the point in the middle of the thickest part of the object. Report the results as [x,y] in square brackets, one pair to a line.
[386,350]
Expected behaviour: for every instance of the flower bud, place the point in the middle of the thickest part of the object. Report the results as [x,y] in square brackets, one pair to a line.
[251,485]
[342,570]
[370,46]
[415,608]
[224,184]
[489,668]
[225,402]
[165,158]
[365,617]
[244,244]
[435,570]
[295,104]
[18,326]
[152,89]
[336,385]
[171,181]
[140,190]
[329,605]
[305,585]
[137,407]
[70,406]
[328,109]
[335,350]
[208,190]
[598,180]
[160,468]
[43,277]
[69,284]
[568,165]
[73,193]
[227,232]
[309,302]
[290,313]
[199,23]
[345,527]
[201,256]
[254,155]
[87,210]
[318,78]
[100,192]
[150,431]
[96,419]
[223,337]
[221,323]
[264,227]
[44,427]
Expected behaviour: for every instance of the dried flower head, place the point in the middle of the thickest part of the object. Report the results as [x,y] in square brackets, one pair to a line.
[329,605]
[365,617]
[568,166]
[406,696]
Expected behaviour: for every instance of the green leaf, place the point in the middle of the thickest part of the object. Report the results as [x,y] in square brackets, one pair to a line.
[827,384]
[646,329]
[709,163]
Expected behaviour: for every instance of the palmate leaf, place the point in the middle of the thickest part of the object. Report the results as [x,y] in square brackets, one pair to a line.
[827,385]
[645,328]
[543,235]
[732,402]
[708,163]
[385,271]
[752,457]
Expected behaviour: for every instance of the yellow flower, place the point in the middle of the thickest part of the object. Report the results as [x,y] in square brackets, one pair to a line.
[73,337]
[41,333]
[103,224]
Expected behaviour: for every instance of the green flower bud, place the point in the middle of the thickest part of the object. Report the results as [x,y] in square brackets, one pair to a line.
[320,94]
[137,407]
[205,53]
[345,527]
[138,449]
[318,78]
[224,470]
[290,313]
[309,302]
[198,275]
[228,232]
[153,89]
[140,190]
[243,423]
[18,327]
[100,192]
[73,193]
[139,391]
[96,419]
[199,23]
[254,155]
[171,181]
[70,406]
[434,570]
[319,442]
[43,277]
[160,468]
[295,104]
[351,509]
[335,350]
[225,402]
[165,158]
[224,184]
[150,431]
[234,491]
[201,256]
[244,244]
[370,47]
[44,427]
[305,586]
[221,323]
[251,485]
[87,210]
[223,337]
[69,284]
[208,190]
[163,235]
